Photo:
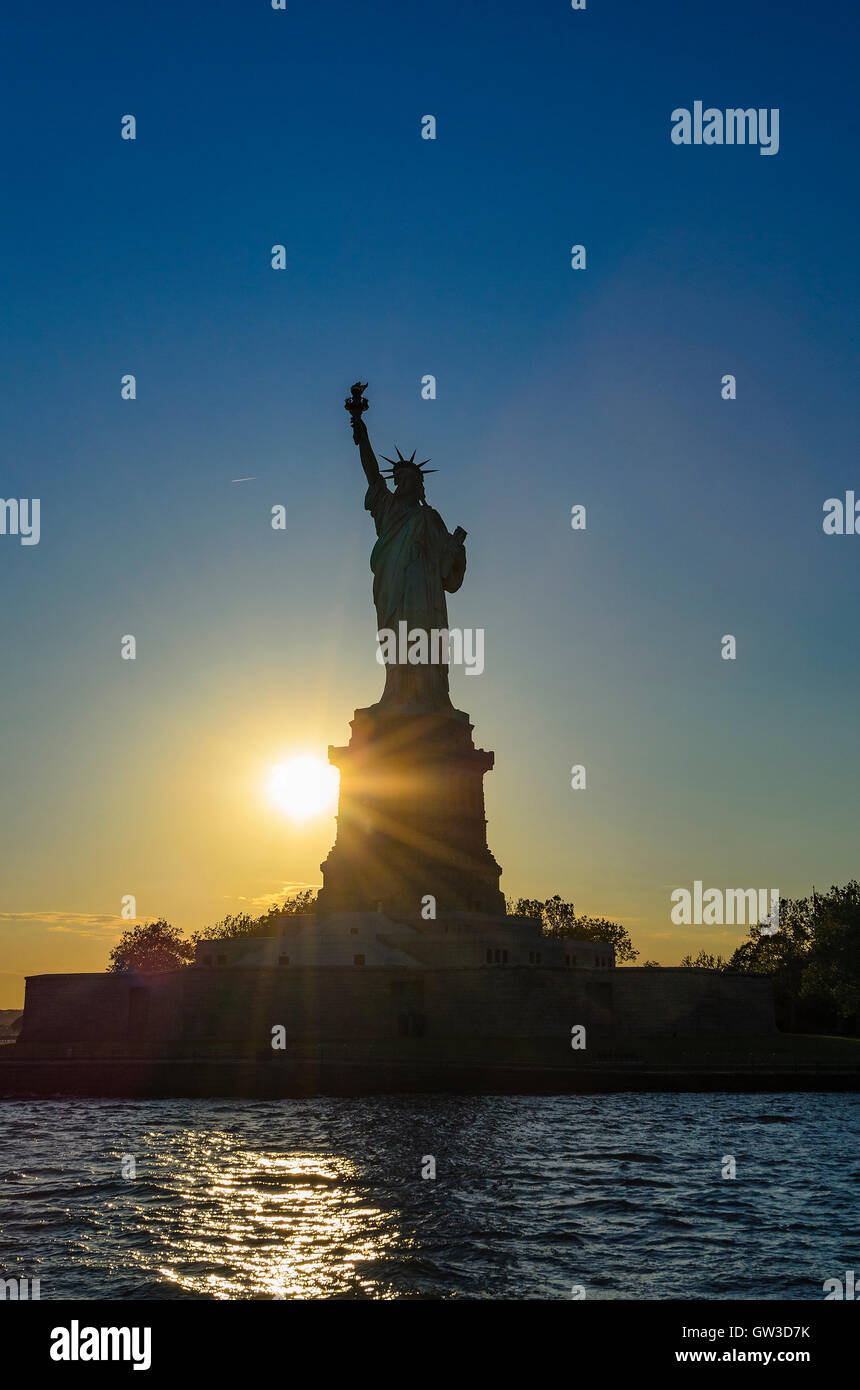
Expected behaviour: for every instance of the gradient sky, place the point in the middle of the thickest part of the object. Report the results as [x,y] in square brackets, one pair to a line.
[555,387]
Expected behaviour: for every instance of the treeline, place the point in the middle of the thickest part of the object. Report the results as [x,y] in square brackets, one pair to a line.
[560,920]
[159,946]
[814,958]
[242,924]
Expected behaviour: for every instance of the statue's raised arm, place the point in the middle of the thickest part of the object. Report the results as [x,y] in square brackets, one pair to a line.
[356,404]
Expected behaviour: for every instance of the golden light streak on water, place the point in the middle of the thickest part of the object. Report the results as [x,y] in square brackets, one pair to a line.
[294,1226]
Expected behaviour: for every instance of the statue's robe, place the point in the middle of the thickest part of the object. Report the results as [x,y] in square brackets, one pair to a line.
[415,561]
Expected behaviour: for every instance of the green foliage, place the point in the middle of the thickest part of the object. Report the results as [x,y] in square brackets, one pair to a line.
[151,946]
[560,920]
[833,971]
[705,961]
[814,958]
[268,924]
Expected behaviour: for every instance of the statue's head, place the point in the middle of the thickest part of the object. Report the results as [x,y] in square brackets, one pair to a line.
[408,476]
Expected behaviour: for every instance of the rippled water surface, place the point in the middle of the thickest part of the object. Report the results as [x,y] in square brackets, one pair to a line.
[324,1198]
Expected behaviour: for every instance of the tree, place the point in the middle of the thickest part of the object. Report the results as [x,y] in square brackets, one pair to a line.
[833,969]
[268,924]
[783,954]
[559,920]
[705,961]
[814,957]
[151,946]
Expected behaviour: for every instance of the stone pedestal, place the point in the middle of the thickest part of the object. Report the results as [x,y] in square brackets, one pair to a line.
[410,818]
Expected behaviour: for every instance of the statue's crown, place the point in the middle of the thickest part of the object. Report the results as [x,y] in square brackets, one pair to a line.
[401,462]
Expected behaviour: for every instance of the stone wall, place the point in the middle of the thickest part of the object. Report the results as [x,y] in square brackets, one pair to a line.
[76,1008]
[233,1010]
[685,1003]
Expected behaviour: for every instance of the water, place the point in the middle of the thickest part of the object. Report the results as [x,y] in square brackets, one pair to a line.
[324,1197]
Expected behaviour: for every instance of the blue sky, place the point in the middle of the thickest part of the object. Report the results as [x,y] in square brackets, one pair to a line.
[555,387]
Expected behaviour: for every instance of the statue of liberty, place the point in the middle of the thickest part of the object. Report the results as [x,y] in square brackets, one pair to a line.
[415,562]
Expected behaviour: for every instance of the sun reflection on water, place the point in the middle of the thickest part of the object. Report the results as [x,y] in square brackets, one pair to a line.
[256,1225]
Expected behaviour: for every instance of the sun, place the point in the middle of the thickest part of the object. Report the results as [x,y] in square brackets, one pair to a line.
[303,786]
